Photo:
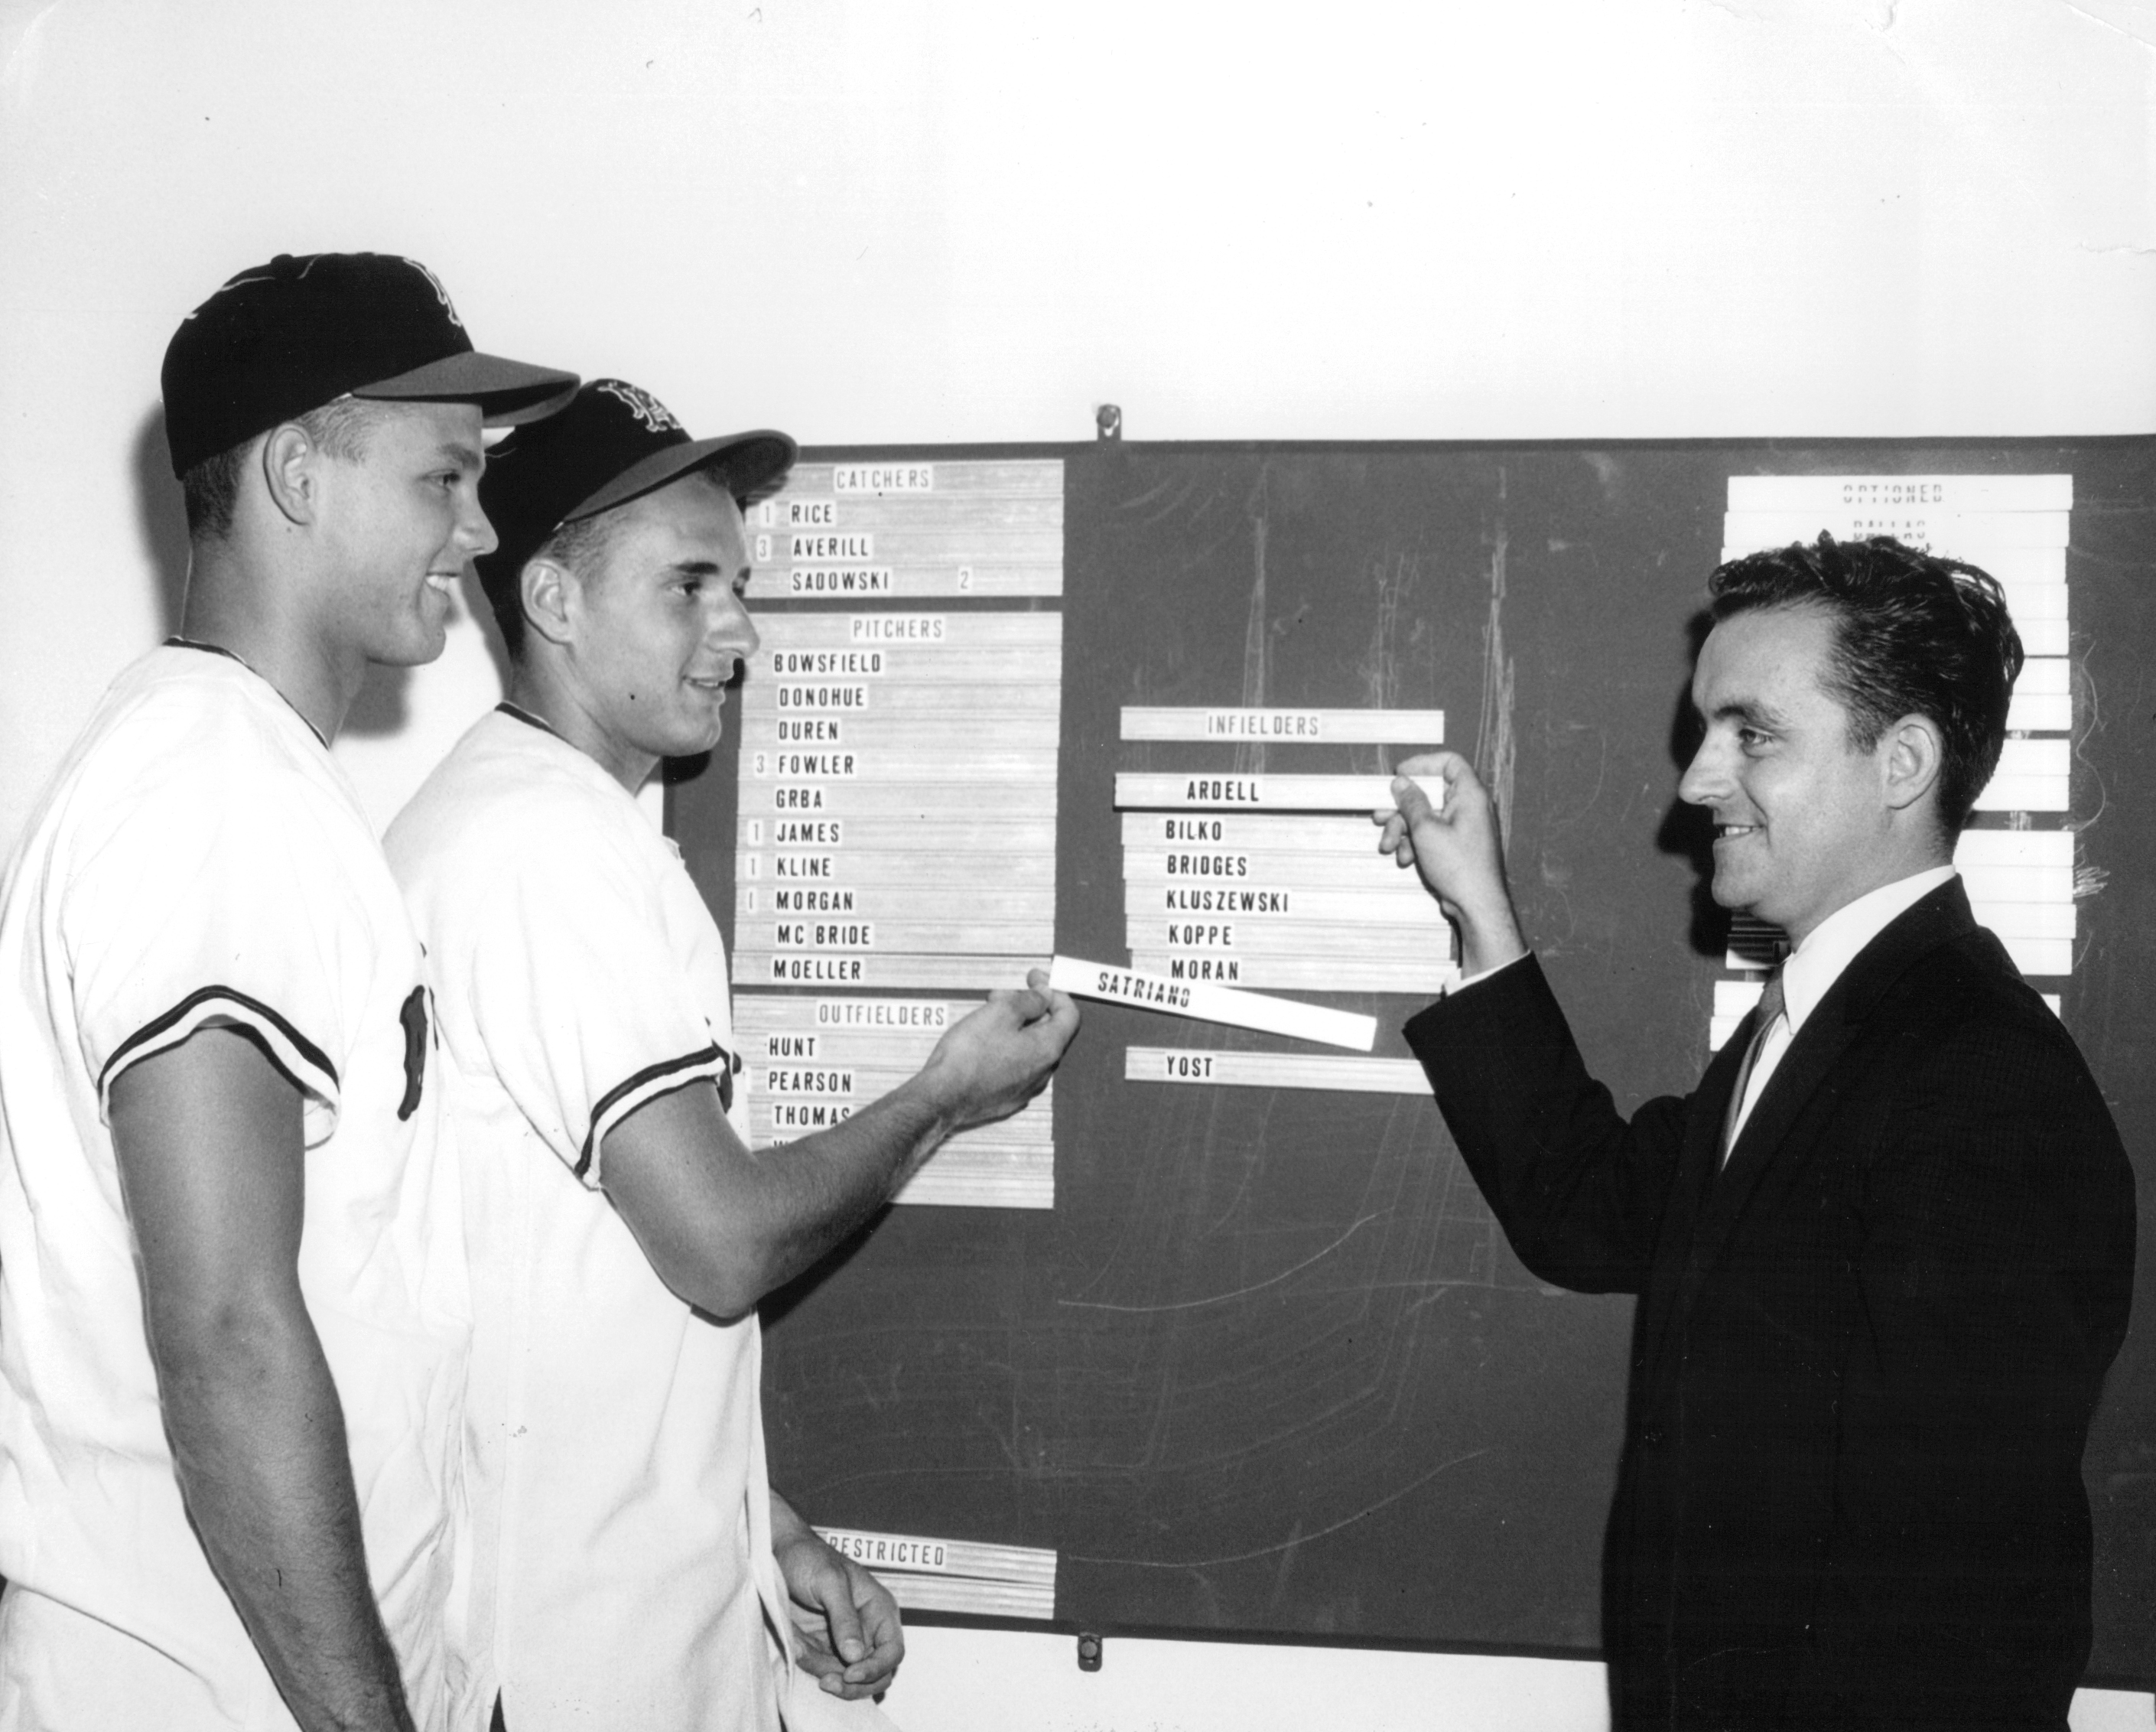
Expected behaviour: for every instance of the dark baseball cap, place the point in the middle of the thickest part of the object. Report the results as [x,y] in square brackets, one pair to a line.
[290,336]
[613,442]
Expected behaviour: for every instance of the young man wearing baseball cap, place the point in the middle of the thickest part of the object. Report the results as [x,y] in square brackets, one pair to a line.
[233,1313]
[632,1566]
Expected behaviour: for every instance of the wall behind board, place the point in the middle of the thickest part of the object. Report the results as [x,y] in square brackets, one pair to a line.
[939,220]
[942,220]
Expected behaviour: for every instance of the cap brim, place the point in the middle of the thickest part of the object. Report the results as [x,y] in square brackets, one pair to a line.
[745,461]
[507,392]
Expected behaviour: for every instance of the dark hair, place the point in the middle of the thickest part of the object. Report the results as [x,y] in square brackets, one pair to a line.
[579,545]
[211,489]
[1914,636]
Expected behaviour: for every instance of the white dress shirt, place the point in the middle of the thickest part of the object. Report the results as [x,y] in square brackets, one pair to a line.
[1815,965]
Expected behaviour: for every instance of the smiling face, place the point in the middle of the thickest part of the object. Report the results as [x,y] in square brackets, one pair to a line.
[657,626]
[401,521]
[1805,822]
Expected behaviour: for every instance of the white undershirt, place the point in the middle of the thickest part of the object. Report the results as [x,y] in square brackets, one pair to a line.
[1812,968]
[1815,965]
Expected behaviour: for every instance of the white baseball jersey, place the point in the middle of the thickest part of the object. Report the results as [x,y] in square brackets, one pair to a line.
[622,1546]
[199,861]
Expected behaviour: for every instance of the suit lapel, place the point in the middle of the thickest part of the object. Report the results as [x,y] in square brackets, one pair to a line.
[1675,1248]
[1765,1158]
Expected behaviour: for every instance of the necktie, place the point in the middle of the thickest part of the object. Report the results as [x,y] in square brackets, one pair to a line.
[1770,1014]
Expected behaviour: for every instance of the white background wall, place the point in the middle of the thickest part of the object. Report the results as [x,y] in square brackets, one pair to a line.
[934,220]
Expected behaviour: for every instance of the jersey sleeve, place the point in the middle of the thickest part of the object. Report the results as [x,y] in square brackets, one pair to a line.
[223,903]
[582,1009]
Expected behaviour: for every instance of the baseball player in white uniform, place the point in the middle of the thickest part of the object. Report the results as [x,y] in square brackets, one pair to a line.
[631,1565]
[233,1313]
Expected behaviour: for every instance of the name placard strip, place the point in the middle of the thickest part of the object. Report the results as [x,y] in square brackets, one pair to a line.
[1900,493]
[1275,1070]
[1420,977]
[879,972]
[1358,942]
[960,1176]
[1287,727]
[1281,833]
[955,1574]
[1211,792]
[1204,1003]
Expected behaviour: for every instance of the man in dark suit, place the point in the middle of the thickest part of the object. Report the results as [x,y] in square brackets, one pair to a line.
[1884,1250]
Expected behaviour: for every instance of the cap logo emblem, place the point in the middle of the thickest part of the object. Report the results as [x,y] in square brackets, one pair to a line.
[441,294]
[642,404]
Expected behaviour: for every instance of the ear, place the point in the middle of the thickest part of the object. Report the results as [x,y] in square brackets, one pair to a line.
[1911,754]
[292,466]
[545,587]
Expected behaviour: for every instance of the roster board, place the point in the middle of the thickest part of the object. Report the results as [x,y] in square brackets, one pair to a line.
[1241,1352]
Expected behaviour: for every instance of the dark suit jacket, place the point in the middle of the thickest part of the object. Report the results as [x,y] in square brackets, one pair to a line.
[1866,1350]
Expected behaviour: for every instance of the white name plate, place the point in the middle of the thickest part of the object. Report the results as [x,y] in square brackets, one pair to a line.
[2014,848]
[954,872]
[976,576]
[1204,1003]
[1352,946]
[1275,1070]
[1875,493]
[1381,727]
[901,664]
[1917,526]
[2034,601]
[1273,832]
[1416,977]
[923,802]
[1021,476]
[964,1175]
[984,759]
[907,539]
[926,1017]
[2025,919]
[939,837]
[961,1576]
[2032,777]
[1269,904]
[864,557]
[2019,883]
[1210,791]
[839,932]
[902,1053]
[912,629]
[988,899]
[764,695]
[943,1557]
[980,512]
[2044,637]
[787,1119]
[879,972]
[781,1118]
[2041,714]
[1366,873]
[1032,730]
[2036,757]
[879,478]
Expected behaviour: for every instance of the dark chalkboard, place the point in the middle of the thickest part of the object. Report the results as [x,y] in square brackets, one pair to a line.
[1268,1370]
